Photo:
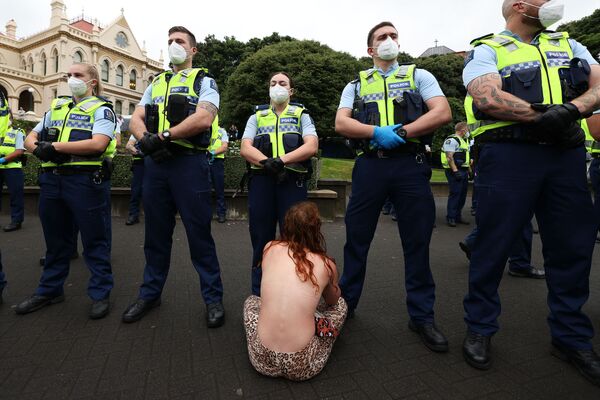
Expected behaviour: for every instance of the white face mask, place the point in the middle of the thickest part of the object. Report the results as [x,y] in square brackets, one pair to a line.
[279,94]
[388,49]
[549,13]
[77,86]
[177,53]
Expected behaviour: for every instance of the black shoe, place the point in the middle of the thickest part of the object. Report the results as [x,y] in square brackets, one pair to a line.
[532,272]
[463,222]
[463,246]
[215,315]
[137,310]
[587,362]
[476,350]
[13,226]
[35,302]
[451,223]
[132,220]
[432,338]
[221,219]
[99,309]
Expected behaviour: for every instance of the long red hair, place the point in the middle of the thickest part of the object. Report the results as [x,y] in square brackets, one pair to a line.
[302,234]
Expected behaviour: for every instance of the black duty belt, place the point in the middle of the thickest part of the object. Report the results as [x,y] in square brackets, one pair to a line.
[400,151]
[514,134]
[138,161]
[595,155]
[179,150]
[71,170]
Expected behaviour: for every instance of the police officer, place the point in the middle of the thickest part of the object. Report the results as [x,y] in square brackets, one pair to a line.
[11,171]
[173,125]
[72,142]
[384,110]
[456,162]
[527,90]
[137,179]
[278,142]
[219,143]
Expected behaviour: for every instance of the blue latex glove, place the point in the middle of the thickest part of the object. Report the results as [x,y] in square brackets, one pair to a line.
[211,156]
[2,160]
[386,137]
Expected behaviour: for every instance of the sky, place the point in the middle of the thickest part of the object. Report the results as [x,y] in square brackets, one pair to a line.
[342,25]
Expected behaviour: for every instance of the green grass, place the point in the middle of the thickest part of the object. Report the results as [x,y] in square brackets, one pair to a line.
[334,168]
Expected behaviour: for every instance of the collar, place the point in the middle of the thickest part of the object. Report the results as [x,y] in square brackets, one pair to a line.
[387,73]
[534,41]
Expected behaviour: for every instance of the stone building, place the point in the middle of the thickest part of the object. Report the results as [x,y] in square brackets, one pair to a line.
[33,69]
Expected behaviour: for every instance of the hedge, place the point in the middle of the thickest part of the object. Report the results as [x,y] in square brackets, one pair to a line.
[235,166]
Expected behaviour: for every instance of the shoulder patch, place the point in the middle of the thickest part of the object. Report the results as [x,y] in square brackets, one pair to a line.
[213,84]
[469,57]
[109,115]
[262,107]
[448,141]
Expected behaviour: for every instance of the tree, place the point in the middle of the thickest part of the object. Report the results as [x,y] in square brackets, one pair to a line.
[318,72]
[586,31]
[447,69]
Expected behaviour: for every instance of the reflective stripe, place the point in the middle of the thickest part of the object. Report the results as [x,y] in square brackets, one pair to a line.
[79,124]
[398,93]
[3,112]
[265,129]
[403,71]
[520,67]
[158,99]
[374,97]
[88,105]
[289,128]
[55,123]
[560,62]
[507,44]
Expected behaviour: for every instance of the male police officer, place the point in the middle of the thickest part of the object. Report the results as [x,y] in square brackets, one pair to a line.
[528,88]
[137,179]
[385,110]
[219,143]
[456,161]
[11,170]
[173,124]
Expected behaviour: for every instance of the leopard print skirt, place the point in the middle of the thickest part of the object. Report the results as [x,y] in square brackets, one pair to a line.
[298,366]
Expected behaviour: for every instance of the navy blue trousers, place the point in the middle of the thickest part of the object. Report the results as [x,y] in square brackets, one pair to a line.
[179,185]
[66,201]
[217,178]
[458,193]
[13,177]
[595,179]
[137,181]
[2,276]
[268,201]
[516,180]
[406,181]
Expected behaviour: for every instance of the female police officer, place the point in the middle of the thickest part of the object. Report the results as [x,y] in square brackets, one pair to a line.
[71,142]
[278,142]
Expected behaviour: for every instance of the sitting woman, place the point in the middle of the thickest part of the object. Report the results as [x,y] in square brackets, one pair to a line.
[290,331]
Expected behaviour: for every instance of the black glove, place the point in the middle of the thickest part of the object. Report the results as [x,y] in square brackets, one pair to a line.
[161,155]
[273,166]
[45,151]
[457,175]
[556,119]
[150,143]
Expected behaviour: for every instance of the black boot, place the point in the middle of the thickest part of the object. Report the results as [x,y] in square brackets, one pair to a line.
[587,362]
[137,310]
[432,338]
[476,350]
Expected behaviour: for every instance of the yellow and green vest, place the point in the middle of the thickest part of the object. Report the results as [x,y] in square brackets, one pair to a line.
[72,122]
[8,141]
[549,56]
[4,111]
[280,134]
[463,148]
[374,88]
[170,84]
[591,145]
[215,139]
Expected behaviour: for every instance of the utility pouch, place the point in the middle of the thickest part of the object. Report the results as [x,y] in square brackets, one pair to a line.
[409,108]
[359,110]
[526,84]
[52,135]
[108,166]
[177,109]
[202,139]
[263,144]
[291,141]
[151,118]
[575,79]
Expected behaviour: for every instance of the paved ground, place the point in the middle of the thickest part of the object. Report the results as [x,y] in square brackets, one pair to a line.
[57,353]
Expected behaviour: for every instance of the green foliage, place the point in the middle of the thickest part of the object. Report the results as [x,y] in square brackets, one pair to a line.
[586,31]
[458,115]
[447,69]
[318,72]
[222,57]
[27,126]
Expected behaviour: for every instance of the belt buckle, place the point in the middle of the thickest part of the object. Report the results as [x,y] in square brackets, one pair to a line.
[380,154]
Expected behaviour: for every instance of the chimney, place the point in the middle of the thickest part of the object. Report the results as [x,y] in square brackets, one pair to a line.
[57,16]
[11,29]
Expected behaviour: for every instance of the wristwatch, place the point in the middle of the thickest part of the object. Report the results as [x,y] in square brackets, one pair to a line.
[401,132]
[166,135]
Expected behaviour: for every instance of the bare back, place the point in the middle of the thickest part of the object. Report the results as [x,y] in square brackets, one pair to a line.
[286,320]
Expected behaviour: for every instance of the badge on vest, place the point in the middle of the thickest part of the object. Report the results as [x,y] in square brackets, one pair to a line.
[78,117]
[289,121]
[180,89]
[398,85]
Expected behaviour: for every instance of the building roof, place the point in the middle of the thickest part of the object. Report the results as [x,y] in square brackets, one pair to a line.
[437,51]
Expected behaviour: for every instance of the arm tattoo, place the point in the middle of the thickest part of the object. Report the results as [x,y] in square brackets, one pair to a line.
[591,99]
[210,107]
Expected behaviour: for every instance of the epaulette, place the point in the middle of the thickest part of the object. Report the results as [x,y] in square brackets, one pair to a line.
[487,36]
[262,107]
[292,103]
